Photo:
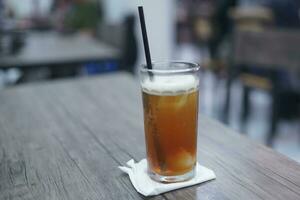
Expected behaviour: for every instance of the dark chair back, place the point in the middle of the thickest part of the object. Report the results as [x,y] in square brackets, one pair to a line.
[272,52]
[279,49]
[123,37]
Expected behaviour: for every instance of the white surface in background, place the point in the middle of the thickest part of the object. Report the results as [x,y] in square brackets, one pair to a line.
[189,52]
[24,8]
[160,22]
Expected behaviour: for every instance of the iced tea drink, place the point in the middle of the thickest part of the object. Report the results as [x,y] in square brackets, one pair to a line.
[170,102]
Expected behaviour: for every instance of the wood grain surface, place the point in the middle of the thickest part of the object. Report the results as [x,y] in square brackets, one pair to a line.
[65,140]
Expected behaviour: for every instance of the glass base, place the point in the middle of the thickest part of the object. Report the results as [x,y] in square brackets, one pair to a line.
[172,179]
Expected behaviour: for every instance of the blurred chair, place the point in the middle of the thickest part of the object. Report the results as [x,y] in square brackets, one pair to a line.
[274,53]
[252,18]
[123,37]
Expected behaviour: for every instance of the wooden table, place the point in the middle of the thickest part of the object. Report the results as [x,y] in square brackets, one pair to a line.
[52,49]
[65,140]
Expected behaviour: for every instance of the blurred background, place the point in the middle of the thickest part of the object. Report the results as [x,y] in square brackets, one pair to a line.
[249,51]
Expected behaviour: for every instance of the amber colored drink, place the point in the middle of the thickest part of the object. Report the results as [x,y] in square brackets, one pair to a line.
[170,92]
[170,121]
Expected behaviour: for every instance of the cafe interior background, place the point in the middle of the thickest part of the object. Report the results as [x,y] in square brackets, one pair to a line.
[248,50]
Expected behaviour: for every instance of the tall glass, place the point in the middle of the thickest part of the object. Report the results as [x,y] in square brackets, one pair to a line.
[170,94]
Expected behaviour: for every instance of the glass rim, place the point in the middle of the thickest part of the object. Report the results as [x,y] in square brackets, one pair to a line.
[193,67]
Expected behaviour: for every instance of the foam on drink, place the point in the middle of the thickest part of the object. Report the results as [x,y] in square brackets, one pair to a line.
[170,85]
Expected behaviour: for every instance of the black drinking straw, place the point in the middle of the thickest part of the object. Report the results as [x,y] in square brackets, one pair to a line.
[145,37]
[158,149]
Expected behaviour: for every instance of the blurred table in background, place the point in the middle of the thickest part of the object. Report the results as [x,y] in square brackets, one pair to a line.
[54,49]
[65,140]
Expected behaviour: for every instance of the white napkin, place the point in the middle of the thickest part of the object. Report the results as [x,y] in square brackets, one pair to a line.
[146,186]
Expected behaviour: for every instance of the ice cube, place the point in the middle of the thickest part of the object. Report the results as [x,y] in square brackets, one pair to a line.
[184,159]
[182,101]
